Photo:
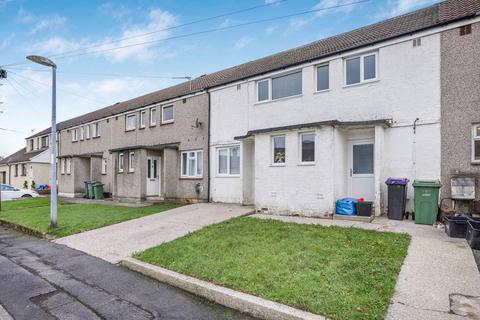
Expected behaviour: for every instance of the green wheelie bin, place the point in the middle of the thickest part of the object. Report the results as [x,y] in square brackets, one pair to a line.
[89,190]
[426,201]
[98,190]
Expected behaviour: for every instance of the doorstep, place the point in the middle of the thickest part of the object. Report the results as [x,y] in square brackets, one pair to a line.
[353,218]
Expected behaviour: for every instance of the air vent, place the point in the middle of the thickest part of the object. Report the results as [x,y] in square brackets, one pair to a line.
[184,100]
[417,42]
[464,30]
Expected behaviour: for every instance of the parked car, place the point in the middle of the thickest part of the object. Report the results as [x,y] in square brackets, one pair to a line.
[10,192]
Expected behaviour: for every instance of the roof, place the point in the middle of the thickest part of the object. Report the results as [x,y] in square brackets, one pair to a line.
[20,156]
[433,16]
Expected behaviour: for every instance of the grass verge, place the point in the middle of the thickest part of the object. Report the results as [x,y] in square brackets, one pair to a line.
[342,273]
[73,218]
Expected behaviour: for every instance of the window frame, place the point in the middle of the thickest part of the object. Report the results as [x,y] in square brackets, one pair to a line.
[74,135]
[81,133]
[182,164]
[272,151]
[143,118]
[104,166]
[229,169]
[62,166]
[68,165]
[153,123]
[362,70]
[300,145]
[97,130]
[326,64]
[173,114]
[127,118]
[475,137]
[87,132]
[24,170]
[270,86]
[131,161]
[121,162]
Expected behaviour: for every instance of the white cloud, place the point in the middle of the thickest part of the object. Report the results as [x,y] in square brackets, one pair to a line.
[270,29]
[117,11]
[297,24]
[3,3]
[40,22]
[229,22]
[5,42]
[343,8]
[272,1]
[243,42]
[398,7]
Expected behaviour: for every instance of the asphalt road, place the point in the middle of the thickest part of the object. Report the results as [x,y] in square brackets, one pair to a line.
[43,280]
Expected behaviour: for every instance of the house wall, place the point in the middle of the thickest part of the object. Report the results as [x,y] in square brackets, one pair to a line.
[407,89]
[460,103]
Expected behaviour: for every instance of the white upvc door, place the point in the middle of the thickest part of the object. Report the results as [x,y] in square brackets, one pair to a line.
[361,169]
[153,176]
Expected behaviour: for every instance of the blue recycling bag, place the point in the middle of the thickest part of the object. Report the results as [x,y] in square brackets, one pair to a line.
[346,206]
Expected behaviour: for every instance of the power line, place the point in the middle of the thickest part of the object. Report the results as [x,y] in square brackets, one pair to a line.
[15,88]
[22,86]
[11,130]
[268,4]
[63,56]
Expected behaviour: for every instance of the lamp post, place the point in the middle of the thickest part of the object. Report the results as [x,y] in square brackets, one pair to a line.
[53,136]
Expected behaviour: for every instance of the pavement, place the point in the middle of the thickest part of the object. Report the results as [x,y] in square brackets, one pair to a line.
[43,280]
[119,241]
[439,278]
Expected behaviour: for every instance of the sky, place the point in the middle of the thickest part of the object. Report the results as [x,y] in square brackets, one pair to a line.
[78,36]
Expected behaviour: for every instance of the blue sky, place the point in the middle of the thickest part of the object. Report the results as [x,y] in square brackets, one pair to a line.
[55,27]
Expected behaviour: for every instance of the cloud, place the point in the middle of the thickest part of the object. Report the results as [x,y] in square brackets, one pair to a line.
[397,7]
[4,3]
[243,42]
[5,42]
[117,11]
[40,22]
[297,24]
[270,29]
[333,3]
[272,1]
[229,22]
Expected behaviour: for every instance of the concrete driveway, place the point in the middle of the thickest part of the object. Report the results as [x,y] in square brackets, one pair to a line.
[118,241]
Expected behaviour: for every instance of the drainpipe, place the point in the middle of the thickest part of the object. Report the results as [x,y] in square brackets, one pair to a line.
[208,147]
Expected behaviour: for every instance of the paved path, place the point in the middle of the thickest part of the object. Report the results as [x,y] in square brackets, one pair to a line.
[436,269]
[42,280]
[119,241]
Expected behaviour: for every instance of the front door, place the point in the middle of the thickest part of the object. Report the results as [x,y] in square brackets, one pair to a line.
[361,169]
[153,178]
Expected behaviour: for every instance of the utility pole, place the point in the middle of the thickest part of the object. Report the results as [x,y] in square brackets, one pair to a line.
[3,75]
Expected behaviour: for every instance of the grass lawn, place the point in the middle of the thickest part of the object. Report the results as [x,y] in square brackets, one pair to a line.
[342,273]
[72,218]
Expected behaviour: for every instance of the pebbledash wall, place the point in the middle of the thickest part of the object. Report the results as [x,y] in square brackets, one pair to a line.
[86,155]
[460,104]
[407,88]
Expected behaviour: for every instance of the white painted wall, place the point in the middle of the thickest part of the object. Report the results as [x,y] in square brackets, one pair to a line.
[408,87]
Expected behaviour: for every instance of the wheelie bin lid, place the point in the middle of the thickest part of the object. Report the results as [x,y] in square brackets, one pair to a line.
[392,180]
[427,183]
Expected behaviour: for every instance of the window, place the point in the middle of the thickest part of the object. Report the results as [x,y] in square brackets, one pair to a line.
[68,165]
[167,114]
[74,135]
[24,170]
[363,158]
[82,133]
[16,170]
[307,147]
[142,119]
[44,141]
[131,162]
[87,131]
[153,116]
[62,165]
[192,164]
[361,69]
[229,161]
[278,146]
[323,77]
[104,166]
[97,130]
[417,42]
[476,143]
[130,122]
[464,30]
[31,144]
[121,159]
[280,87]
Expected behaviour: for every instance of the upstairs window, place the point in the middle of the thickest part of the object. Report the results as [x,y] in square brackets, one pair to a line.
[167,114]
[87,132]
[280,87]
[229,161]
[74,135]
[278,150]
[44,141]
[153,117]
[476,143]
[143,120]
[82,133]
[97,130]
[130,122]
[31,144]
[466,29]
[323,77]
[192,164]
[361,69]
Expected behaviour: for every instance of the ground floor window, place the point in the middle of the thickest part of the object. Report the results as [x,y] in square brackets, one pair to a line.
[68,165]
[104,166]
[228,161]
[192,164]
[307,147]
[121,159]
[131,162]
[476,143]
[278,150]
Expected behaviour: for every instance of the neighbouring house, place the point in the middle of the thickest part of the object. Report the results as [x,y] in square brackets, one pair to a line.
[150,147]
[30,164]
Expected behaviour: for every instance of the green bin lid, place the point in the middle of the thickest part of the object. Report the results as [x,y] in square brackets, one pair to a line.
[427,183]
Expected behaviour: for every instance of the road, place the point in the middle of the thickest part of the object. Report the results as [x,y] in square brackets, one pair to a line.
[44,280]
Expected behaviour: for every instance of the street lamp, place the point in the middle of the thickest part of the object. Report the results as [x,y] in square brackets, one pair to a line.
[53,145]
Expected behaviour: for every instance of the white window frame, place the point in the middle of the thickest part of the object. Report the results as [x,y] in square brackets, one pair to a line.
[300,160]
[74,135]
[97,129]
[171,120]
[182,164]
[143,119]
[131,161]
[62,166]
[104,166]
[82,133]
[87,132]
[475,137]
[228,174]
[127,117]
[272,151]
[270,86]
[68,165]
[326,64]
[153,120]
[362,58]
[121,162]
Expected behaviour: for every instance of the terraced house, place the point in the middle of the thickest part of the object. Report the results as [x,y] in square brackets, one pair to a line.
[294,131]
